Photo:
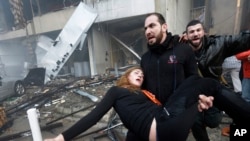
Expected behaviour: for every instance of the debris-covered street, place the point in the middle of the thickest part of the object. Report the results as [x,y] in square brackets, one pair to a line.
[64,101]
[60,104]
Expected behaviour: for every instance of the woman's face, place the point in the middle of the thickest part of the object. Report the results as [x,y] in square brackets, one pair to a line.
[136,77]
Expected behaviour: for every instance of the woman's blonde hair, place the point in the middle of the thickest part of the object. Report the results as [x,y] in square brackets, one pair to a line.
[124,81]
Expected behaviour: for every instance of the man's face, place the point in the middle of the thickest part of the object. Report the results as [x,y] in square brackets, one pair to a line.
[155,32]
[195,36]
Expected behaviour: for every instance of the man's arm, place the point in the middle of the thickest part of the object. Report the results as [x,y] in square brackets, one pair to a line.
[190,66]
[233,44]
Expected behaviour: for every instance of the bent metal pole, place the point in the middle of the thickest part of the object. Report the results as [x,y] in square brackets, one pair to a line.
[34,124]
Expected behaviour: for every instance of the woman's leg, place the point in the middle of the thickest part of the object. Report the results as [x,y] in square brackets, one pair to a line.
[182,107]
[176,128]
[234,105]
[132,137]
[226,100]
[188,93]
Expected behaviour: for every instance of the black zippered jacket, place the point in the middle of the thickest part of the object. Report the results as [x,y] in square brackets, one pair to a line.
[166,65]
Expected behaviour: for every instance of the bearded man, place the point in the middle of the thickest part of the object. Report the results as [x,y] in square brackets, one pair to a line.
[210,53]
[166,64]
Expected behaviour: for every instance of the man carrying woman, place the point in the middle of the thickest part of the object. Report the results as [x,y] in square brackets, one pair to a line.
[151,120]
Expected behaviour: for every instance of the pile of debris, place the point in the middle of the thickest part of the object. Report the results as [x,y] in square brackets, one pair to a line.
[66,97]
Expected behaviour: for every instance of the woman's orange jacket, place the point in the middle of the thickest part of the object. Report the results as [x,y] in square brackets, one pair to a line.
[246,64]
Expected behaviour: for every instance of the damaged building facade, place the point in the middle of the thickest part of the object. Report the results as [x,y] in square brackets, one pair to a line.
[115,38]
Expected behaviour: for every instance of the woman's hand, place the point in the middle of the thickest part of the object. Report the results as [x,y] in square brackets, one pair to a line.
[205,102]
[58,138]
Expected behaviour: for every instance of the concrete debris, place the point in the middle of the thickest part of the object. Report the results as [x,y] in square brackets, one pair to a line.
[65,100]
[91,97]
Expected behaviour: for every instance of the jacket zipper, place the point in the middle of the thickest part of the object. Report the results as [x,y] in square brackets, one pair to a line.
[158,78]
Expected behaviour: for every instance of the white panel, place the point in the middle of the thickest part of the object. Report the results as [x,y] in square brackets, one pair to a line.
[73,32]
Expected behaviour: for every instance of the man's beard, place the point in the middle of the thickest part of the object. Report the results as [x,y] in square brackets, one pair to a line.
[195,45]
[157,39]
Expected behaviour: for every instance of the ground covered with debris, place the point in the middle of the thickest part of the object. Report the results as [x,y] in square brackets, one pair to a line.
[64,101]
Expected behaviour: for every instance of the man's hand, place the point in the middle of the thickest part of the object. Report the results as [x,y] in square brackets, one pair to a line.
[205,102]
[183,38]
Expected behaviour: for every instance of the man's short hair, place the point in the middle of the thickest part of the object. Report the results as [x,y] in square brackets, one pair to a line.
[160,17]
[194,22]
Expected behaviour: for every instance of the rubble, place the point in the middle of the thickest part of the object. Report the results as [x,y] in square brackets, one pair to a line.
[59,100]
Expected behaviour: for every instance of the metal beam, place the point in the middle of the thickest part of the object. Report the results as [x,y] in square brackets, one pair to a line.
[127,48]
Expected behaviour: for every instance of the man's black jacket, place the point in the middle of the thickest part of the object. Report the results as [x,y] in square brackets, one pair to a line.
[166,65]
[216,48]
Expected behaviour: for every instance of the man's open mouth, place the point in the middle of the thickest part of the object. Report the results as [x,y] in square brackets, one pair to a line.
[196,39]
[149,38]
